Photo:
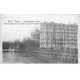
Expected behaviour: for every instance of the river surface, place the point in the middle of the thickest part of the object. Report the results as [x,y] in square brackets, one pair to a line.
[12,57]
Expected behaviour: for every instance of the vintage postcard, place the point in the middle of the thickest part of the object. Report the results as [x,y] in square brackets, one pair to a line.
[39,38]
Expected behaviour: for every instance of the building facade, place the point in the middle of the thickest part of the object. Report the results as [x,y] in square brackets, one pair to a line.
[57,35]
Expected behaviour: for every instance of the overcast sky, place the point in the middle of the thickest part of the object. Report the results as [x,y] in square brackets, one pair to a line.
[12,32]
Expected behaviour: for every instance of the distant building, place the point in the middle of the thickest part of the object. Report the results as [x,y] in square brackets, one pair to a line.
[55,35]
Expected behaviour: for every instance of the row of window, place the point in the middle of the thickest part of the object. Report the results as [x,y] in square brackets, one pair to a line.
[42,45]
[65,33]
[51,43]
[58,37]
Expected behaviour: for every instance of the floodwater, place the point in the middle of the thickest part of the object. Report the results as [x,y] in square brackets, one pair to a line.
[12,57]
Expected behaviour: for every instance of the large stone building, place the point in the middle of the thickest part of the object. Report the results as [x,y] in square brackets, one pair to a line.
[57,35]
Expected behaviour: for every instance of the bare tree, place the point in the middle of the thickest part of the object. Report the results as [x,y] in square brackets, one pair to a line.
[36,35]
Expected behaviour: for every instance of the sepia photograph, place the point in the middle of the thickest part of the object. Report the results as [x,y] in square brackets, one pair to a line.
[39,38]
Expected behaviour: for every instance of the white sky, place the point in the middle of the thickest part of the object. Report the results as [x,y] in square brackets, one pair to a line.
[12,32]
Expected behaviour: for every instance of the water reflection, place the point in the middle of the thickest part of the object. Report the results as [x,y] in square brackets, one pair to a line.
[11,57]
